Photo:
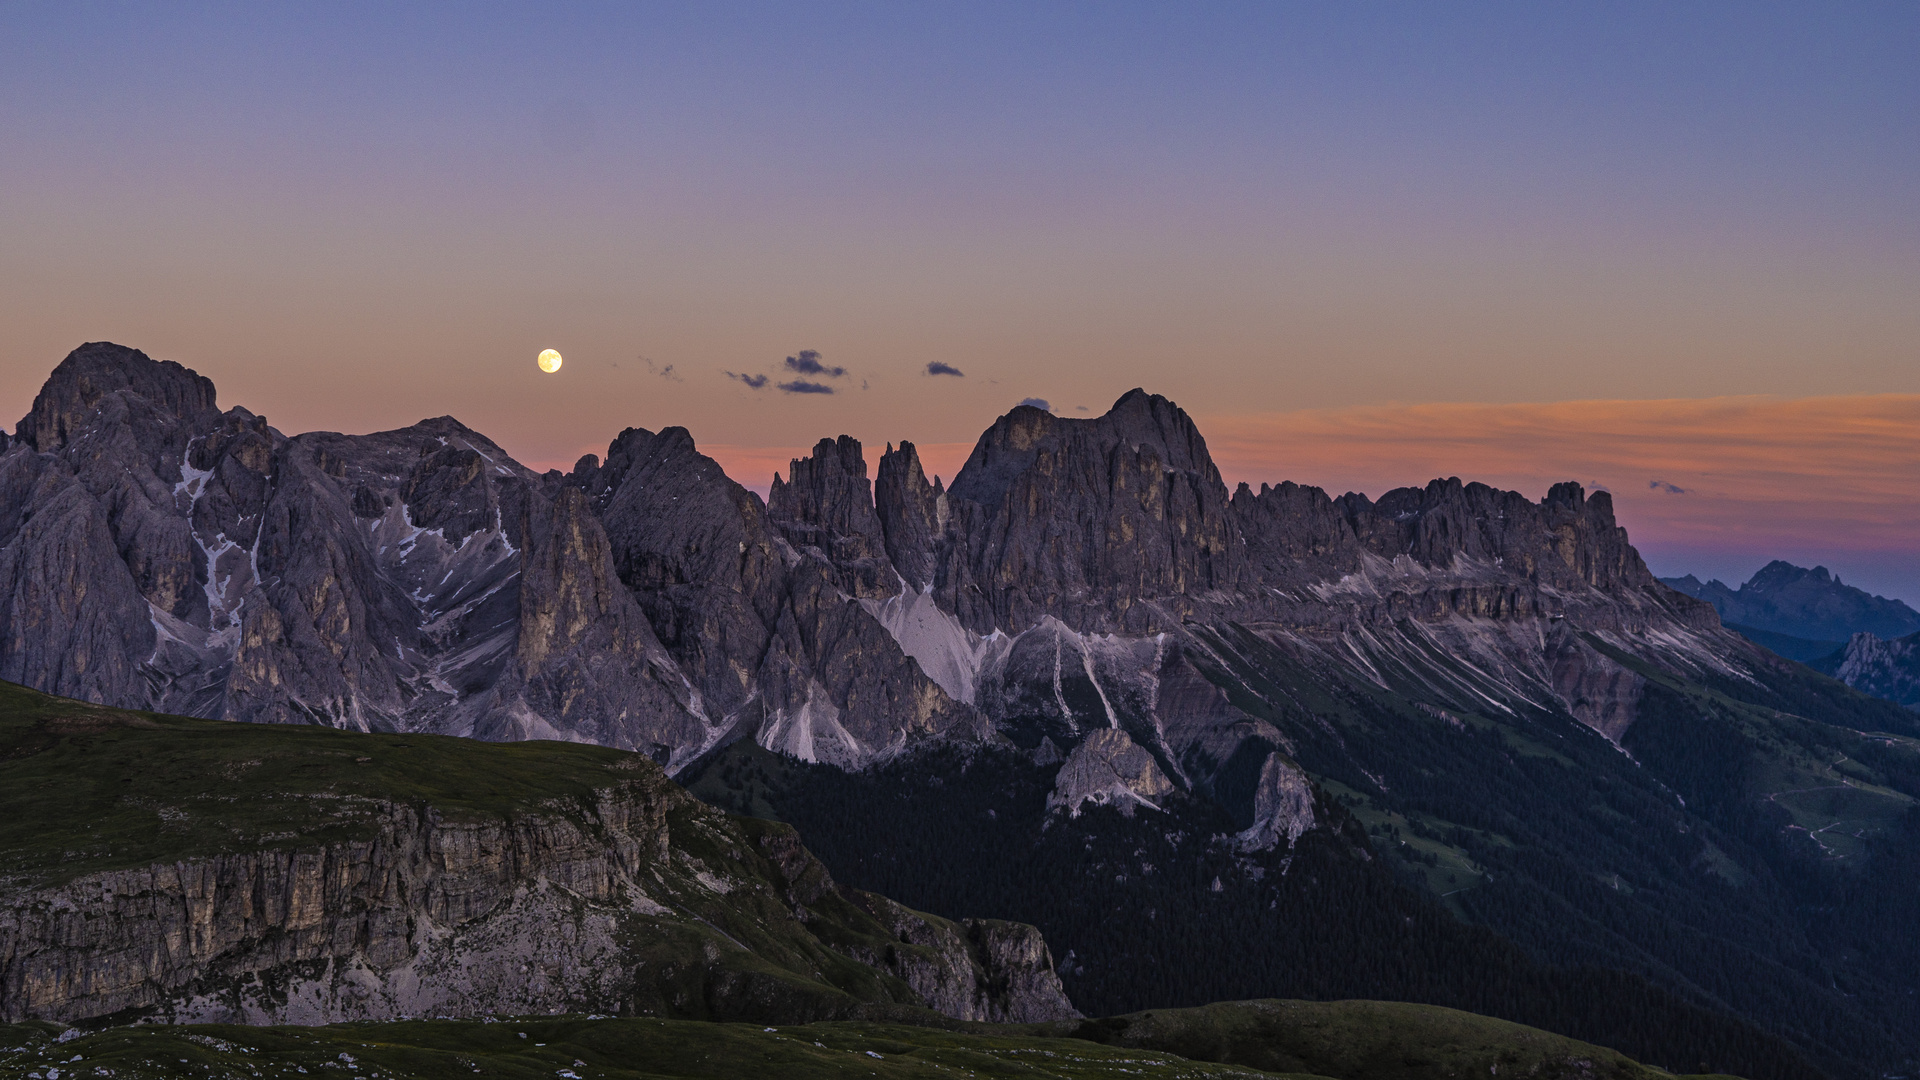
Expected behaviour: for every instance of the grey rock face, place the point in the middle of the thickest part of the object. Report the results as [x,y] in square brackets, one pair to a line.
[697,552]
[1086,519]
[1106,768]
[161,554]
[382,911]
[1283,806]
[987,970]
[571,909]
[912,513]
[1297,534]
[826,506]
[586,663]
[767,631]
[1885,669]
[100,370]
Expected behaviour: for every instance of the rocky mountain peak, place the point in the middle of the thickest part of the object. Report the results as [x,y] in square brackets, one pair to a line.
[1138,420]
[1083,519]
[912,513]
[1781,574]
[99,369]
[826,504]
[1568,539]
[1812,604]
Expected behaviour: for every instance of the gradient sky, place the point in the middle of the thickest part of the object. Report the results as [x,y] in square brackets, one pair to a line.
[1363,244]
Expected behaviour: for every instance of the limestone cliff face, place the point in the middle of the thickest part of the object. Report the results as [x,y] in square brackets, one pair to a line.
[1107,768]
[1885,669]
[348,930]
[1085,520]
[598,906]
[826,506]
[753,606]
[988,970]
[913,514]
[1282,808]
[587,663]
[156,552]
[1077,575]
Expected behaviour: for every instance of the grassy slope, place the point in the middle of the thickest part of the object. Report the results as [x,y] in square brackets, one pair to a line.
[85,788]
[1362,1040]
[1346,1040]
[587,1049]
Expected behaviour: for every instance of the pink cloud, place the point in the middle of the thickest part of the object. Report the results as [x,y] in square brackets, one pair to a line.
[1716,485]
[1732,477]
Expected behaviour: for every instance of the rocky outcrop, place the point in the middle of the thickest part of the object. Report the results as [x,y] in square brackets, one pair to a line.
[632,900]
[913,514]
[826,506]
[1282,806]
[1885,669]
[988,970]
[1108,768]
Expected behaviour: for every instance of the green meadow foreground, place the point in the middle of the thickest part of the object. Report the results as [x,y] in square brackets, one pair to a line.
[1346,1040]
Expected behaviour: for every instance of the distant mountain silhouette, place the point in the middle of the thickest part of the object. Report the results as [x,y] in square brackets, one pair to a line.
[1812,605]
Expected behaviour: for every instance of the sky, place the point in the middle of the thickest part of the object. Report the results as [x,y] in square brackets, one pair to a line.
[1364,245]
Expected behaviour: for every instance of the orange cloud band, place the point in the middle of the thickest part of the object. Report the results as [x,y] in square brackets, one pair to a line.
[1737,473]
[1750,478]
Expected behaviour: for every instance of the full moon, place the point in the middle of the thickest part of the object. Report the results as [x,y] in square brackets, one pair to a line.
[549,361]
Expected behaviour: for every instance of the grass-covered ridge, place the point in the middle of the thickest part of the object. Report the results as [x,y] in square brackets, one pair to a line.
[85,787]
[720,933]
[1358,1040]
[1345,1040]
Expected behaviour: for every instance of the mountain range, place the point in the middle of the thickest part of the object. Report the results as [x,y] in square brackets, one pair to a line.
[1801,610]
[1451,745]
[1869,642]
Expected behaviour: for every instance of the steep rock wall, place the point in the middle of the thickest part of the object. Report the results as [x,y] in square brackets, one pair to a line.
[591,907]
